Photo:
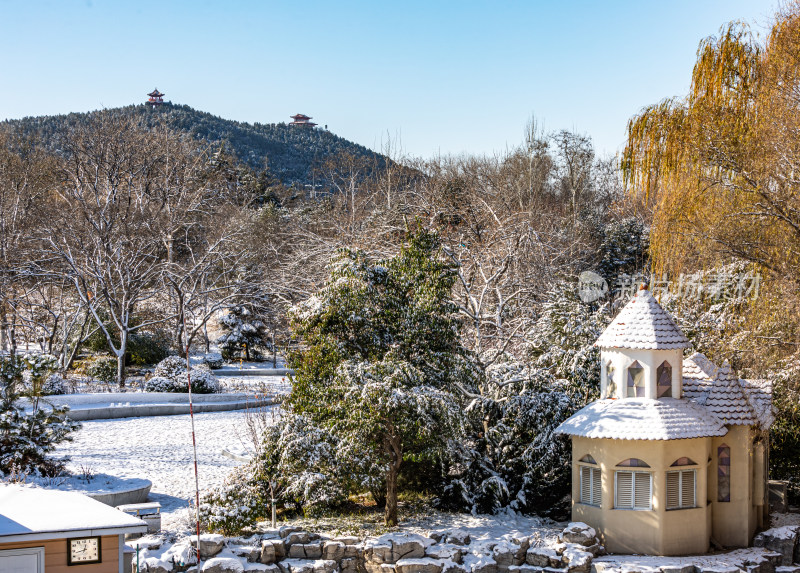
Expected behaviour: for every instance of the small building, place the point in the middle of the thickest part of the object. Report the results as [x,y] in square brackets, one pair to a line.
[674,453]
[302,120]
[156,98]
[51,531]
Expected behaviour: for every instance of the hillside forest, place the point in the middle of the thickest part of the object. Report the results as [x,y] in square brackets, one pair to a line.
[443,291]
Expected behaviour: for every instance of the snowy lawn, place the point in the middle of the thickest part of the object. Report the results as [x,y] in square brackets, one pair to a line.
[160,449]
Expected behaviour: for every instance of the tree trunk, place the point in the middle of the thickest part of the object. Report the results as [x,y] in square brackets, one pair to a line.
[395,459]
[123,347]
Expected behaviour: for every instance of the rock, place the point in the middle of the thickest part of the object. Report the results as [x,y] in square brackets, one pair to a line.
[301,537]
[524,569]
[718,569]
[210,544]
[267,555]
[605,567]
[407,548]
[579,532]
[543,557]
[260,568]
[418,565]
[325,566]
[578,560]
[504,554]
[445,552]
[781,540]
[678,568]
[333,550]
[481,564]
[349,565]
[351,551]
[378,553]
[450,567]
[522,545]
[155,565]
[347,539]
[287,529]
[787,569]
[297,566]
[458,537]
[438,536]
[597,550]
[249,552]
[221,564]
[305,551]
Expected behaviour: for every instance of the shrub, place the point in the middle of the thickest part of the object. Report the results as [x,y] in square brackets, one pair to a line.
[54,385]
[170,376]
[146,348]
[213,360]
[233,507]
[103,368]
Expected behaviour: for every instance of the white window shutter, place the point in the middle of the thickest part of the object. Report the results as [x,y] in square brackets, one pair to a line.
[673,490]
[624,495]
[642,490]
[586,483]
[687,488]
[597,487]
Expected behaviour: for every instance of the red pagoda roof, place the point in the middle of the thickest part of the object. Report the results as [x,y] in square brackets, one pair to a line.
[299,116]
[155,93]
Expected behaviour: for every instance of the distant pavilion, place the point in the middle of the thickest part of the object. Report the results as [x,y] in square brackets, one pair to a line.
[302,120]
[156,98]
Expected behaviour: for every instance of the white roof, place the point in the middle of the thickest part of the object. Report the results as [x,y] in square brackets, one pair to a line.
[733,400]
[36,513]
[643,419]
[643,324]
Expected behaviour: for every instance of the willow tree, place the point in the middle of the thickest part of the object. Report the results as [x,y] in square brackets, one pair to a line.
[719,166]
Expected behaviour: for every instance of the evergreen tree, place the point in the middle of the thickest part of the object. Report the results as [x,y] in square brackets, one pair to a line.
[382,361]
[243,333]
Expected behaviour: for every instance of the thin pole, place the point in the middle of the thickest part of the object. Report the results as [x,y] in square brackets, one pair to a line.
[194,440]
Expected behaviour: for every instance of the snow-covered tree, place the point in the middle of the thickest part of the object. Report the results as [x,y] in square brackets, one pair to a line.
[382,361]
[243,332]
[27,437]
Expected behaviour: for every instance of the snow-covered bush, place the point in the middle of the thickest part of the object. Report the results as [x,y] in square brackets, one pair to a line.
[170,376]
[103,368]
[233,507]
[213,360]
[54,385]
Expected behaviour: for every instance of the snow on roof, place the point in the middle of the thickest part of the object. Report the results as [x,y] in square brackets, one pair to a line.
[31,512]
[643,419]
[759,394]
[726,399]
[643,324]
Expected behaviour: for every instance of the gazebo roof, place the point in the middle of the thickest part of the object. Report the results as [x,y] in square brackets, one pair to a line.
[643,324]
[643,419]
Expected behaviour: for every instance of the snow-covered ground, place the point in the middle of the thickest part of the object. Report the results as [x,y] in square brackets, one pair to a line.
[160,449]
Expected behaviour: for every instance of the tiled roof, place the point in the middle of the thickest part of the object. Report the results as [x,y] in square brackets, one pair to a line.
[643,419]
[643,324]
[759,394]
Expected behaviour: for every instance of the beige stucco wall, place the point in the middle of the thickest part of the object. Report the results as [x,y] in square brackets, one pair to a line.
[55,555]
[657,531]
[734,522]
[650,361]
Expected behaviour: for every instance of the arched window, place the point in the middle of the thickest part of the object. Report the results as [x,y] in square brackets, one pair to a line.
[664,380]
[611,386]
[633,463]
[683,462]
[635,380]
[723,473]
[591,482]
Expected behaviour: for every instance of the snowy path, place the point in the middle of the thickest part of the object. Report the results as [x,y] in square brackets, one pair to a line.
[160,449]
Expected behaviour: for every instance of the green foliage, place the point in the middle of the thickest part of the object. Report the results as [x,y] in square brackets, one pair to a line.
[102,368]
[382,360]
[28,437]
[146,348]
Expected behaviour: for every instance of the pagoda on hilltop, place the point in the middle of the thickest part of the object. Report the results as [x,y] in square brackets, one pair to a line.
[156,98]
[302,120]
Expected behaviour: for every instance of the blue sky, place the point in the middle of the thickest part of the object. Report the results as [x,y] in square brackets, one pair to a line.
[436,77]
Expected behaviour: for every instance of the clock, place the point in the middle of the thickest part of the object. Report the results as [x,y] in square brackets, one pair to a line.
[81,550]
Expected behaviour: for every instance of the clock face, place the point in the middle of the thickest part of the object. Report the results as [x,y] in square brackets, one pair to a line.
[83,550]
